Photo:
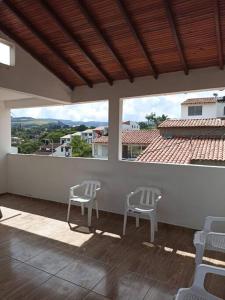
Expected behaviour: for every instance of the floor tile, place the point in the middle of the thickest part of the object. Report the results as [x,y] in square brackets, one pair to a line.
[129,286]
[18,281]
[84,271]
[58,289]
[51,261]
[95,296]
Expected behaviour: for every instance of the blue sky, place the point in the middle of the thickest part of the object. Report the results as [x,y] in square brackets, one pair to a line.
[133,109]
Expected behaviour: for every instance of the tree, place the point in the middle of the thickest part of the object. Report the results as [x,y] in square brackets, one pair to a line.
[80,148]
[151,118]
[143,125]
[28,147]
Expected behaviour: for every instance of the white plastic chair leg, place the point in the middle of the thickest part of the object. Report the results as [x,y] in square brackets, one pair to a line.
[82,209]
[124,222]
[96,207]
[152,229]
[137,221]
[89,215]
[68,212]
[156,222]
[199,254]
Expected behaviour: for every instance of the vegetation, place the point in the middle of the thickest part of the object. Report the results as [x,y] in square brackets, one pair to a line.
[80,148]
[152,121]
[28,147]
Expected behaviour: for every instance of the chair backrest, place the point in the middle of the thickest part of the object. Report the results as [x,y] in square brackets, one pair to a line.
[149,195]
[90,187]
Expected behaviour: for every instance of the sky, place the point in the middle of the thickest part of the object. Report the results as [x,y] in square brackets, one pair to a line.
[133,109]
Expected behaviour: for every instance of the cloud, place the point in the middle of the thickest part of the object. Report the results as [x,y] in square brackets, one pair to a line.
[133,109]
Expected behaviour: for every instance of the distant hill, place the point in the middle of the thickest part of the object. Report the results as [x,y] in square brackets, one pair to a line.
[33,122]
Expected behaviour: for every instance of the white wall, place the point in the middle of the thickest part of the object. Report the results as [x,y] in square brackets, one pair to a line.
[29,76]
[5,145]
[209,110]
[190,192]
[220,109]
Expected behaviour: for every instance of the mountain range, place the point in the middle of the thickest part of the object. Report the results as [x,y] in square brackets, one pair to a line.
[33,122]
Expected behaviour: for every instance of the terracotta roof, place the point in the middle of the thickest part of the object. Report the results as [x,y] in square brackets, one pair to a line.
[143,137]
[200,100]
[183,150]
[192,123]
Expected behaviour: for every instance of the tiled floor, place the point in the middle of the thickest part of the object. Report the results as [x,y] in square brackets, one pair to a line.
[41,257]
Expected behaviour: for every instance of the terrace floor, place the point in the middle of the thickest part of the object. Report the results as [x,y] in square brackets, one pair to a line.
[41,257]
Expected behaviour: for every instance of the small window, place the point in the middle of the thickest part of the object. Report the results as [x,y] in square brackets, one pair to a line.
[7,53]
[195,110]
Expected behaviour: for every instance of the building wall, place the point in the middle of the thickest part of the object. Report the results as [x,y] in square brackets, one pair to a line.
[189,192]
[182,132]
[5,144]
[209,110]
[220,110]
[29,76]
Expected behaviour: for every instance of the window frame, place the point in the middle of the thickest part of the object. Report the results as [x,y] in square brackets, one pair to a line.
[11,54]
[195,110]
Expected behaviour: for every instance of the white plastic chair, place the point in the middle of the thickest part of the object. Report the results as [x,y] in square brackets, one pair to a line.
[197,291]
[145,205]
[88,197]
[207,239]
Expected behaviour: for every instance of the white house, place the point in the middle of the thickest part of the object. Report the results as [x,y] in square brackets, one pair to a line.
[130,125]
[203,108]
[87,135]
[68,138]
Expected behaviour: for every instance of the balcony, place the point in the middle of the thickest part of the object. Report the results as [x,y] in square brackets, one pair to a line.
[59,60]
[42,259]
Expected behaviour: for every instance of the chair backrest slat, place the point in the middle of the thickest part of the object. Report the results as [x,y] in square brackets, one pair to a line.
[149,195]
[90,187]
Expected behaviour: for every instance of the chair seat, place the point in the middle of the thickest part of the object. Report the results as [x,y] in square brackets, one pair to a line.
[81,199]
[140,208]
[194,294]
[212,241]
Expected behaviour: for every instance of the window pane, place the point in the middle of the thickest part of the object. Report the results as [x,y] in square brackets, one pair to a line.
[4,54]
[195,110]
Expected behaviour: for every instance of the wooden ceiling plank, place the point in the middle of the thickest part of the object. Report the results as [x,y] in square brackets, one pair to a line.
[66,30]
[176,35]
[46,42]
[137,36]
[218,34]
[92,21]
[23,45]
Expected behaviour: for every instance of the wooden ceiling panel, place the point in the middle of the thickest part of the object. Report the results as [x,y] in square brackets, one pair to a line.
[86,41]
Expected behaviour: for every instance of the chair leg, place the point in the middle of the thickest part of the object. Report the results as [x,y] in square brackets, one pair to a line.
[124,222]
[137,221]
[82,209]
[156,222]
[96,207]
[199,254]
[68,212]
[152,229]
[89,215]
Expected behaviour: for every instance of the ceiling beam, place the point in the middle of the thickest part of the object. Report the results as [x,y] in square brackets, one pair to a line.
[37,33]
[218,34]
[92,21]
[137,36]
[12,36]
[176,36]
[67,31]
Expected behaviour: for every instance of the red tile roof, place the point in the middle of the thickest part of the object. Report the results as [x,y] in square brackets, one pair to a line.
[200,100]
[183,150]
[142,137]
[192,123]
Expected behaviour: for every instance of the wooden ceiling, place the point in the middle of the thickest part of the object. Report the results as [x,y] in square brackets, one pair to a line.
[84,42]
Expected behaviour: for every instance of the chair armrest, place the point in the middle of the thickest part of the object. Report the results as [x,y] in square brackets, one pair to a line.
[98,189]
[73,188]
[201,272]
[209,220]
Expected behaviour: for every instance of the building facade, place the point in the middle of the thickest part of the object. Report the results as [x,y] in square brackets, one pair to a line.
[203,108]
